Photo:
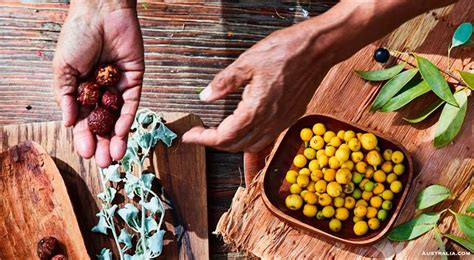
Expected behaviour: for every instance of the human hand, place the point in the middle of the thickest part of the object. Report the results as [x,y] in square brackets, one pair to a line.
[97,33]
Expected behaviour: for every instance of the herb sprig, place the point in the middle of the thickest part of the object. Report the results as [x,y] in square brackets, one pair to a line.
[399,90]
[147,129]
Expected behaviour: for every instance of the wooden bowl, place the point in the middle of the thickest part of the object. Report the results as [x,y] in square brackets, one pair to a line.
[275,188]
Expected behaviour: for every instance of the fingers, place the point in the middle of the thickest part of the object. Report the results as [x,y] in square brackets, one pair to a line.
[226,82]
[65,84]
[84,140]
[118,147]
[102,153]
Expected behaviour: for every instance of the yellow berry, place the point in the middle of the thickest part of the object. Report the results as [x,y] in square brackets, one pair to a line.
[319,129]
[387,195]
[320,153]
[373,158]
[379,188]
[380,176]
[335,141]
[348,135]
[357,156]
[304,171]
[360,211]
[342,155]
[328,211]
[316,142]
[376,201]
[348,165]
[310,187]
[349,188]
[349,202]
[314,175]
[344,147]
[330,150]
[368,141]
[306,134]
[335,225]
[295,189]
[396,186]
[329,175]
[342,214]
[354,144]
[323,161]
[373,223]
[309,153]
[294,202]
[328,136]
[320,186]
[324,199]
[291,176]
[387,166]
[397,157]
[299,161]
[302,180]
[369,173]
[361,228]
[362,202]
[356,219]
[366,195]
[361,167]
[303,193]
[391,178]
[343,176]
[387,155]
[313,165]
[338,202]
[334,189]
[310,210]
[341,134]
[371,212]
[399,169]
[334,163]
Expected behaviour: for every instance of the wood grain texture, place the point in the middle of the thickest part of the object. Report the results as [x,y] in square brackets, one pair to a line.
[349,97]
[82,181]
[34,204]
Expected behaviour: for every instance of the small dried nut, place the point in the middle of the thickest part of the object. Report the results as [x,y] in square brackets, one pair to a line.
[112,101]
[47,247]
[107,75]
[59,257]
[101,121]
[89,93]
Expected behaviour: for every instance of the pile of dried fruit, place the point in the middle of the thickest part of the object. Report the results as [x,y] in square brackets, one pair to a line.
[103,97]
[49,249]
[344,174]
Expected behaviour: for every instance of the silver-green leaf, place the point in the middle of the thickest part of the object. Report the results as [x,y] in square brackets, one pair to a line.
[155,242]
[415,227]
[431,195]
[125,238]
[101,226]
[469,245]
[406,97]
[468,78]
[105,254]
[451,120]
[380,75]
[392,87]
[437,82]
[426,113]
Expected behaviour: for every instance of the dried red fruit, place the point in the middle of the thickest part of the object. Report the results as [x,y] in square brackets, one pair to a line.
[59,257]
[47,247]
[89,93]
[101,121]
[107,75]
[112,101]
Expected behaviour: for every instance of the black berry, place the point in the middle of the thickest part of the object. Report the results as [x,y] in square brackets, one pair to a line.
[381,55]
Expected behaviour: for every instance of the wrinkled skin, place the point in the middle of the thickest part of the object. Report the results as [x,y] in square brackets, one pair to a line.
[91,37]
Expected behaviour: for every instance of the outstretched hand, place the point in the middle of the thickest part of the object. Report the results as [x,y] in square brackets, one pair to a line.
[92,36]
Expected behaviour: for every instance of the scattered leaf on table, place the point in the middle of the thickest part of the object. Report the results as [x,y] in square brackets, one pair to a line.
[406,97]
[437,82]
[451,120]
[466,224]
[427,112]
[431,195]
[379,75]
[469,245]
[415,227]
[462,35]
[392,87]
[470,208]
[468,78]
[440,243]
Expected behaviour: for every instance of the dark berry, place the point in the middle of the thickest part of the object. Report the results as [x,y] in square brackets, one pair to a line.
[47,247]
[59,257]
[89,93]
[108,75]
[101,121]
[112,101]
[381,55]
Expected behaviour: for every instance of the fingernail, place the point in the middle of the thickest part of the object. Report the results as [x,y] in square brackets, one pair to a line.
[206,93]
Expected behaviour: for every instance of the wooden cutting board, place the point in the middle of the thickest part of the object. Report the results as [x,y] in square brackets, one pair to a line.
[181,168]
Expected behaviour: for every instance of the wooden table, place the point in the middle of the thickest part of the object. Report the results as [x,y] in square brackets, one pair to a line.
[185,46]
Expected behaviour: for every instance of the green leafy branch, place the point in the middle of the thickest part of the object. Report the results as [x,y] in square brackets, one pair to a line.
[147,130]
[428,221]
[404,86]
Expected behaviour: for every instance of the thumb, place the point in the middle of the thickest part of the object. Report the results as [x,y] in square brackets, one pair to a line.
[65,85]
[225,82]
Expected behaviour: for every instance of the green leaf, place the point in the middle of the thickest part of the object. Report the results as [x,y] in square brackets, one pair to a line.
[406,97]
[462,35]
[415,227]
[466,224]
[470,208]
[125,238]
[392,87]
[451,120]
[101,226]
[469,245]
[380,75]
[440,243]
[468,78]
[427,112]
[155,242]
[431,195]
[105,254]
[437,82]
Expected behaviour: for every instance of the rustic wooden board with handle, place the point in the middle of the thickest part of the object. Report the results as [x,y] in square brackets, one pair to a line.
[181,169]
[345,96]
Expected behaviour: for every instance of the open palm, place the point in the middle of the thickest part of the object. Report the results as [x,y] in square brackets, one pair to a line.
[88,39]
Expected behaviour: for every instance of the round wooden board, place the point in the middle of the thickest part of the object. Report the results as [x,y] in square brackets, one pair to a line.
[34,203]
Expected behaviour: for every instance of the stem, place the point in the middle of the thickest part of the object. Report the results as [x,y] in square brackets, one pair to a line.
[452,212]
[142,229]
[109,218]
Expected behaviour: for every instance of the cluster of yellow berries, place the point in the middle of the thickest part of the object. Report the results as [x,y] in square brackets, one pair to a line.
[343,172]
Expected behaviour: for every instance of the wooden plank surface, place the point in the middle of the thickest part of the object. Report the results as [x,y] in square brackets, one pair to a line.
[34,204]
[349,97]
[82,181]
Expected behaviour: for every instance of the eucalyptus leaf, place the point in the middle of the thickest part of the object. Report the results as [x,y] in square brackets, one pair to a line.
[468,78]
[469,245]
[150,225]
[125,238]
[451,120]
[392,87]
[147,179]
[470,208]
[437,82]
[462,35]
[105,254]
[101,226]
[406,97]
[112,173]
[431,195]
[441,245]
[129,214]
[145,141]
[466,224]
[155,242]
[415,227]
[380,75]
[153,205]
[164,134]
[426,113]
